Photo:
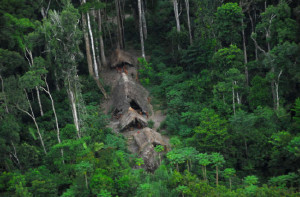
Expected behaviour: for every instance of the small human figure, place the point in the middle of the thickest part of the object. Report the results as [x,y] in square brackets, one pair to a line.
[125,70]
[119,69]
[137,77]
[119,115]
[139,125]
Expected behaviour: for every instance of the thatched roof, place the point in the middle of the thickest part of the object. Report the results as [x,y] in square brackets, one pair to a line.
[128,93]
[146,140]
[132,118]
[119,57]
[148,136]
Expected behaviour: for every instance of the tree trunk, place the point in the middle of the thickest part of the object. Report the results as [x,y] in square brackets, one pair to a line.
[45,12]
[86,180]
[92,72]
[187,5]
[15,155]
[245,54]
[203,173]
[233,98]
[187,163]
[55,116]
[30,61]
[253,30]
[87,46]
[217,176]
[109,34]
[121,43]
[94,15]
[277,91]
[175,4]
[74,108]
[246,147]
[31,114]
[101,88]
[273,89]
[141,28]
[238,98]
[92,44]
[159,158]
[4,96]
[144,19]
[56,80]
[39,100]
[102,51]
[205,177]
[230,183]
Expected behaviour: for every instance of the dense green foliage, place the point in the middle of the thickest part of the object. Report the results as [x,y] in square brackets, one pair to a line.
[232,113]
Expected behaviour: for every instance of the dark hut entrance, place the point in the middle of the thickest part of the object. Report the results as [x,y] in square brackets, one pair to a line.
[135,106]
[117,114]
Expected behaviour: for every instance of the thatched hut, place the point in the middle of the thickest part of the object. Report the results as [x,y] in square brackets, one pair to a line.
[121,58]
[146,140]
[132,119]
[129,94]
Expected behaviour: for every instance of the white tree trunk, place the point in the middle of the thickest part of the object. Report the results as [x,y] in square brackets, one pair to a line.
[187,5]
[121,43]
[102,51]
[87,46]
[45,12]
[39,100]
[4,96]
[144,20]
[15,155]
[56,80]
[55,116]
[175,4]
[141,28]
[233,98]
[74,108]
[277,90]
[253,31]
[238,98]
[245,54]
[95,74]
[93,48]
[94,14]
[31,114]
[30,61]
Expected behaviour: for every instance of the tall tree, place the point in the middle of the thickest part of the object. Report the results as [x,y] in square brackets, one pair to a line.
[177,15]
[38,75]
[145,32]
[228,23]
[120,24]
[102,50]
[23,104]
[91,58]
[187,5]
[31,63]
[275,27]
[87,45]
[204,160]
[218,161]
[141,28]
[64,38]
